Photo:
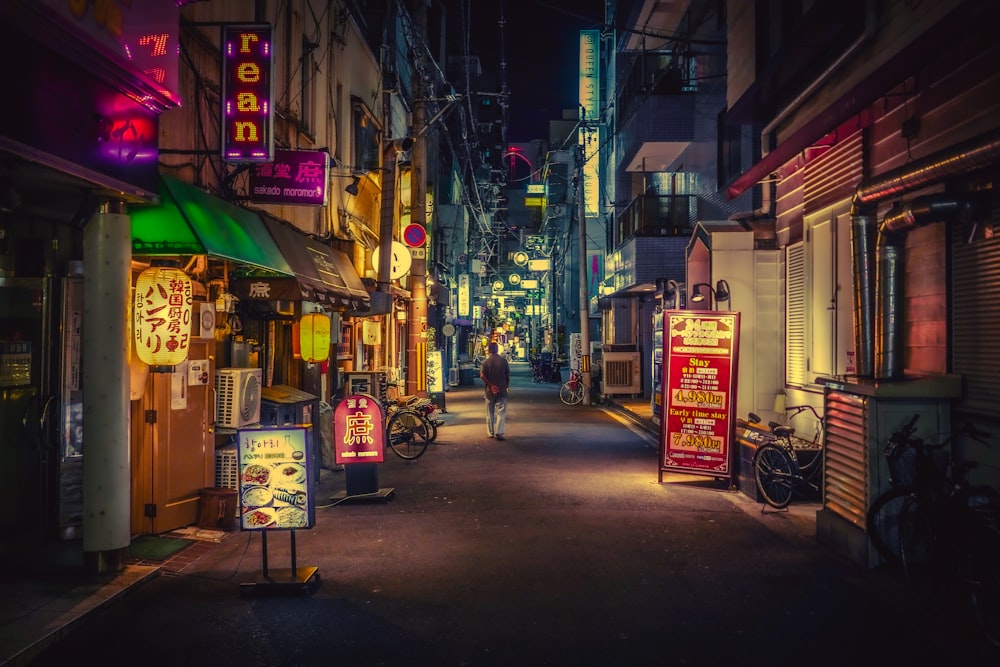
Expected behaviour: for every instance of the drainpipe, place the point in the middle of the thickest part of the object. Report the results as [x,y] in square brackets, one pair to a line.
[890,251]
[966,157]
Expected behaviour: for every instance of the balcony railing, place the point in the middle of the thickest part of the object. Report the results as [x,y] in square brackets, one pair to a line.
[654,215]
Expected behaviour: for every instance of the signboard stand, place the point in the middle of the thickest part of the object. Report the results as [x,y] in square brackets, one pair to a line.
[275,494]
[359,444]
[699,382]
[362,484]
[299,580]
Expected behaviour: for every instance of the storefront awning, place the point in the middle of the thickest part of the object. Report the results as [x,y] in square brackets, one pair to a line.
[321,273]
[190,221]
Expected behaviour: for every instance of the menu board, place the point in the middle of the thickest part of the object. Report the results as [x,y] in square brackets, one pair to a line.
[273,482]
[701,351]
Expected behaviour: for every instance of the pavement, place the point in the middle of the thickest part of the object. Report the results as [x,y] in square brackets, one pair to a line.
[48,596]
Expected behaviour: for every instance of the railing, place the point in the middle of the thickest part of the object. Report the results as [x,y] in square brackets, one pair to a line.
[654,215]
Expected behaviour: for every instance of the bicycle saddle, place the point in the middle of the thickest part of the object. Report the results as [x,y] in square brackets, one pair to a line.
[781,430]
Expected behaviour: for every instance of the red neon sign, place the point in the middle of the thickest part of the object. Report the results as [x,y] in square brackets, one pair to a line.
[247,91]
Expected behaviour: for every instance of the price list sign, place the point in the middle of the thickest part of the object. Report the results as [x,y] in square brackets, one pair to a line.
[700,354]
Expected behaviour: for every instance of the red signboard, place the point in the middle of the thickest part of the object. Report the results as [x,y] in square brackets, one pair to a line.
[358,430]
[700,362]
[247,91]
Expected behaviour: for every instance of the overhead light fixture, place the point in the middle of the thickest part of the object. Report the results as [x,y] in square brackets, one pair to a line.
[352,189]
[698,295]
[720,293]
[672,293]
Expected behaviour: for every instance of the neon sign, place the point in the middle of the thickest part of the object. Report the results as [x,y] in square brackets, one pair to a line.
[247,91]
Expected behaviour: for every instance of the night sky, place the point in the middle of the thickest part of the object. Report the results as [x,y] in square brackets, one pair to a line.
[541,45]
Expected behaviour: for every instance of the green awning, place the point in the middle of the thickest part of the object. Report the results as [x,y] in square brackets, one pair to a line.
[190,221]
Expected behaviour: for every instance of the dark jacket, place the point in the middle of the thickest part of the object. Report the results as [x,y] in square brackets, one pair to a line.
[495,372]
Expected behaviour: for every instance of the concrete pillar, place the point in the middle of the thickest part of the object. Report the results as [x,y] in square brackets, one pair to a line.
[107,252]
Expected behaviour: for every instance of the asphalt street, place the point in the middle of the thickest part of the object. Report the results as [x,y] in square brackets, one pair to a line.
[557,546]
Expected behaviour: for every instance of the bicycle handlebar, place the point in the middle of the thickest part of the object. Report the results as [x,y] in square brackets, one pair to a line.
[796,409]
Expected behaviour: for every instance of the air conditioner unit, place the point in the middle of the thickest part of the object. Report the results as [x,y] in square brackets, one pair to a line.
[622,372]
[237,392]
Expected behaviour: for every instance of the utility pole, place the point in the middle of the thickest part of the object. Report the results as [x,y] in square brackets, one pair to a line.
[584,292]
[416,320]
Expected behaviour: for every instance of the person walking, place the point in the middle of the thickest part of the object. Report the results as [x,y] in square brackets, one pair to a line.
[495,372]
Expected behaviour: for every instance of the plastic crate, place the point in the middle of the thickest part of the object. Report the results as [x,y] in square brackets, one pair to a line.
[227,467]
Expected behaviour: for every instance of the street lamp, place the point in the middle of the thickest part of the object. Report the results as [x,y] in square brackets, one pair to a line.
[720,293]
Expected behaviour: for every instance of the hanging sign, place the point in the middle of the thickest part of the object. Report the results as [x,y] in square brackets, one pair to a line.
[247,92]
[400,263]
[701,358]
[293,177]
[161,316]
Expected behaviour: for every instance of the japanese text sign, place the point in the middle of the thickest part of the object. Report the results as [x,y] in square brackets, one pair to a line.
[358,430]
[247,91]
[294,177]
[274,478]
[700,353]
[161,316]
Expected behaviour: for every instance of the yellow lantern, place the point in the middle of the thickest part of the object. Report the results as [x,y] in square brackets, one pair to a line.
[161,316]
[314,337]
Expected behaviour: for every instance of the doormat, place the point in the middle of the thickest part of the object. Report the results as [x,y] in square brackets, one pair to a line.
[199,534]
[154,547]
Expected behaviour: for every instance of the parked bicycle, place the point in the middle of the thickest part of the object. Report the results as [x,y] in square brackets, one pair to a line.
[778,470]
[407,432]
[936,526]
[573,390]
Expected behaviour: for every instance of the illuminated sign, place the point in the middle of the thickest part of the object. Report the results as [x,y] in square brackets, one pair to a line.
[247,90]
[589,77]
[701,358]
[274,489]
[143,36]
[589,137]
[358,430]
[161,313]
[293,177]
[464,295]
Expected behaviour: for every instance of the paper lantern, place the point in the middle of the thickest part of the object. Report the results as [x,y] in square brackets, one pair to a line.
[161,316]
[314,337]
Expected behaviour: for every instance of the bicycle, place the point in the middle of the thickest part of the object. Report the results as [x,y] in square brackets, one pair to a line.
[778,471]
[407,432]
[573,390]
[931,521]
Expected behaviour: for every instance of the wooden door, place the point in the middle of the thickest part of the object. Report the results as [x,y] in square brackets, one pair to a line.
[173,447]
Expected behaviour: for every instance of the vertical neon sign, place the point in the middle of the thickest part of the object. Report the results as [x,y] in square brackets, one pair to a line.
[247,91]
[589,133]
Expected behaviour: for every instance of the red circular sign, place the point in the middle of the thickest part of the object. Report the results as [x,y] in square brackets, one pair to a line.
[414,235]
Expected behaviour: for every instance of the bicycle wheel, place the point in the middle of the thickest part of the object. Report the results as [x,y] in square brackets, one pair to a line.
[571,392]
[888,520]
[407,434]
[774,471]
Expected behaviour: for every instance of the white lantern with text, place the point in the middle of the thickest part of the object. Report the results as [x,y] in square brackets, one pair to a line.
[161,316]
